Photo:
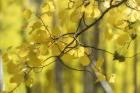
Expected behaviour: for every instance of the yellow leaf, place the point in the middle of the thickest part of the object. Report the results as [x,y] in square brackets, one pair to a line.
[34,60]
[92,12]
[121,24]
[23,50]
[55,49]
[4,92]
[67,40]
[29,82]
[134,16]
[122,39]
[5,57]
[77,52]
[108,34]
[70,26]
[11,67]
[71,4]
[40,36]
[64,15]
[67,58]
[97,13]
[45,8]
[36,25]
[48,7]
[84,60]
[27,14]
[112,78]
[56,31]
[138,2]
[17,78]
[99,64]
[100,77]
[76,14]
[43,49]
[89,11]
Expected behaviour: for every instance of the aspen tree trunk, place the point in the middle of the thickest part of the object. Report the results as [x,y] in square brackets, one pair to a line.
[37,88]
[1,73]
[135,69]
[59,77]
[95,53]
[88,83]
[1,84]
[125,80]
[87,79]
[103,83]
[58,67]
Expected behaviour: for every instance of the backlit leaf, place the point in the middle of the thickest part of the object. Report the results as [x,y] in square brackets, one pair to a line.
[100,77]
[85,61]
[5,57]
[122,39]
[112,78]
[99,64]
[29,81]
[27,14]
[17,78]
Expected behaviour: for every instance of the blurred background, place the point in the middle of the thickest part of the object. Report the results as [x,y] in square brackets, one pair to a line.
[56,78]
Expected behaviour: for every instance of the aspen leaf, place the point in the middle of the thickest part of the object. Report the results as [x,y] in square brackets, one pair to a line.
[84,60]
[89,11]
[133,36]
[45,8]
[11,67]
[70,4]
[29,81]
[5,57]
[55,50]
[23,50]
[70,27]
[66,57]
[63,16]
[112,78]
[92,12]
[56,31]
[36,25]
[134,16]
[77,52]
[96,13]
[122,39]
[100,77]
[17,78]
[118,57]
[34,60]
[99,64]
[4,92]
[37,70]
[138,2]
[121,24]
[40,36]
[48,8]
[76,14]
[43,49]
[68,40]
[27,14]
[108,35]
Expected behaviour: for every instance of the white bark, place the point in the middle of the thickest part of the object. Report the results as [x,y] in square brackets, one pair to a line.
[1,74]
[104,83]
